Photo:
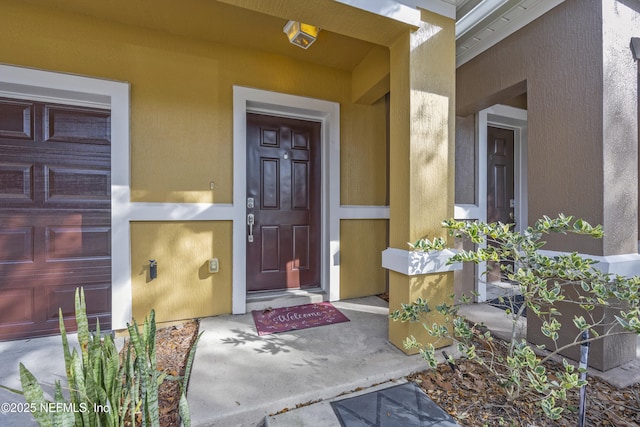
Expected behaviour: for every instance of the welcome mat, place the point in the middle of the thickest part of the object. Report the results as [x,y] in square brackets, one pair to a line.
[298,317]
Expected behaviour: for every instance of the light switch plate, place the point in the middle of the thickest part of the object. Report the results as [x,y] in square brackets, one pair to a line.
[214,265]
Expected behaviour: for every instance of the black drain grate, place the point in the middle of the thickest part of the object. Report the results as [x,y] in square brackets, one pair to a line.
[513,303]
[405,405]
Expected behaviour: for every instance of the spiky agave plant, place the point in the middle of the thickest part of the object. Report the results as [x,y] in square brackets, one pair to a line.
[104,388]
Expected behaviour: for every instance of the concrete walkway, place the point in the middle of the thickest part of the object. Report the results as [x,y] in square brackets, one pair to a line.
[240,378]
[44,358]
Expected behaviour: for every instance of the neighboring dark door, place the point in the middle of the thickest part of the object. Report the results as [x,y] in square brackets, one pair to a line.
[500,193]
[500,178]
[283,202]
[55,215]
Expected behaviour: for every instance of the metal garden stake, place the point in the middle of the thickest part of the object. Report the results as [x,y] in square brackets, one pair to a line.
[584,362]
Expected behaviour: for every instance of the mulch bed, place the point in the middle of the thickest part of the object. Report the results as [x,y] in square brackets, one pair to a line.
[473,398]
[172,350]
[173,344]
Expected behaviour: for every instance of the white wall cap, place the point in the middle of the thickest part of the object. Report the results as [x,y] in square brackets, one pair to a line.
[623,264]
[414,263]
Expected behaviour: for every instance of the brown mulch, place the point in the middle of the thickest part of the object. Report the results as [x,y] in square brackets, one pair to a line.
[473,398]
[173,344]
[172,350]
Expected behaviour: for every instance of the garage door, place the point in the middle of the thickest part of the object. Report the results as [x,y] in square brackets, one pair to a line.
[55,215]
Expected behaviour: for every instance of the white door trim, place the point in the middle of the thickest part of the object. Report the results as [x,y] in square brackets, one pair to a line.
[505,117]
[79,90]
[328,114]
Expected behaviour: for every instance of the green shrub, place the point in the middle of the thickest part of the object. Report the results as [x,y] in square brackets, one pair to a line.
[543,281]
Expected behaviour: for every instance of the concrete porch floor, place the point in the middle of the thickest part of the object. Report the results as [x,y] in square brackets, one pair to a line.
[239,377]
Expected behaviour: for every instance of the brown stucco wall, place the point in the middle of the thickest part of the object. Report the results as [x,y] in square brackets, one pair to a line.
[582,149]
[465,181]
[582,98]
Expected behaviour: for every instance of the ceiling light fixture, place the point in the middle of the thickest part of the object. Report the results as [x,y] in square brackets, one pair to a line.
[302,35]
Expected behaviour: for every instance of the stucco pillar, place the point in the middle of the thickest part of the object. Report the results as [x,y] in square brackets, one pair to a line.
[421,158]
[619,128]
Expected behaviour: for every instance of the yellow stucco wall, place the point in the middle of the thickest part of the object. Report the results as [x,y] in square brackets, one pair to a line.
[362,241]
[184,288]
[181,135]
[363,153]
[181,96]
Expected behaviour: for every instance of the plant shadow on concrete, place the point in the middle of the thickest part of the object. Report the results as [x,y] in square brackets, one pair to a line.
[524,372]
[107,387]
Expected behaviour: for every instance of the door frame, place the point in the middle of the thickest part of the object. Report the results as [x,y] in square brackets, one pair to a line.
[505,117]
[297,107]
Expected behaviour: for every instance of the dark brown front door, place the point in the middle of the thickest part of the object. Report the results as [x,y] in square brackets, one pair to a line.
[500,179]
[500,201]
[55,215]
[283,203]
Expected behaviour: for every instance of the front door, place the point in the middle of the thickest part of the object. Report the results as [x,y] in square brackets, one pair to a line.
[500,181]
[55,215]
[283,203]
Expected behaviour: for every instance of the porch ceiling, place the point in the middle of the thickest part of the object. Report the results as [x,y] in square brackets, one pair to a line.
[219,22]
[348,33]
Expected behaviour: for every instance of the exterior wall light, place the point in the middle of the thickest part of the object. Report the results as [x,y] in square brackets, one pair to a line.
[635,47]
[302,35]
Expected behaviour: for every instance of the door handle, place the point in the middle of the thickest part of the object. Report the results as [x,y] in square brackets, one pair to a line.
[250,221]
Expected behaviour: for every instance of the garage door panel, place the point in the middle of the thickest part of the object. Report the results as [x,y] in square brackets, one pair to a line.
[64,124]
[17,182]
[16,245]
[63,297]
[17,306]
[16,119]
[73,184]
[55,216]
[78,243]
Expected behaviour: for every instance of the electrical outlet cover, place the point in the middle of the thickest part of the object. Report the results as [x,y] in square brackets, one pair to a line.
[213,265]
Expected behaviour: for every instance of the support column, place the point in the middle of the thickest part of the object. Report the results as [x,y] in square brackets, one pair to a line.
[422,112]
[619,129]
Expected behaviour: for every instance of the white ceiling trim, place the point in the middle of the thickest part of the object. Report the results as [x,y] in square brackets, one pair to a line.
[533,12]
[477,14]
